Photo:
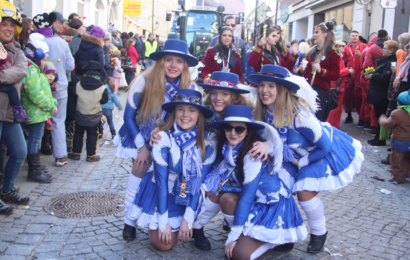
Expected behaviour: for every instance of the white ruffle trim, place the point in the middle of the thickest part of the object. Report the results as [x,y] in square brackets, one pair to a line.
[276,236]
[234,235]
[125,152]
[332,183]
[287,179]
[150,222]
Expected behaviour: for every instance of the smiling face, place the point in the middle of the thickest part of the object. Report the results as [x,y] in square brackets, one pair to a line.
[220,99]
[50,77]
[186,116]
[226,37]
[268,92]
[173,65]
[6,31]
[232,136]
[273,38]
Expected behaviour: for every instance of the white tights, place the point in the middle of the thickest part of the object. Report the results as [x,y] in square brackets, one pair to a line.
[315,214]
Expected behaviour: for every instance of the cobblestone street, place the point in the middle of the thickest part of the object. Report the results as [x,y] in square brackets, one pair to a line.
[363,222]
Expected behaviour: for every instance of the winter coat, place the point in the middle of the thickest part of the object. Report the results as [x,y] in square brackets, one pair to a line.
[107,60]
[132,53]
[211,63]
[124,40]
[72,97]
[117,73]
[117,43]
[12,76]
[255,59]
[363,81]
[354,61]
[91,49]
[112,99]
[374,53]
[137,46]
[379,83]
[36,95]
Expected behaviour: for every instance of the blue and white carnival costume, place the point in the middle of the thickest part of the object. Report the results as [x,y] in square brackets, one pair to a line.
[131,136]
[176,160]
[266,210]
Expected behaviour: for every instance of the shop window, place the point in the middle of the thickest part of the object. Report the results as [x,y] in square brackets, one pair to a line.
[342,20]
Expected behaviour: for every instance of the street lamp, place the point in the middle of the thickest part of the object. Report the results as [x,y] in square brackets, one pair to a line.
[268,12]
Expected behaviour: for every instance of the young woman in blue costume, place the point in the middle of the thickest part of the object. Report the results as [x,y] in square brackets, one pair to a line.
[265,215]
[169,197]
[326,158]
[156,86]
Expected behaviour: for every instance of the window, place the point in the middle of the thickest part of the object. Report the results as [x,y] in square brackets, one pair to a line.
[342,20]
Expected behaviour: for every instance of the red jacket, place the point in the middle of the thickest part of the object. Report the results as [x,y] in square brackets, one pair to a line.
[373,53]
[212,65]
[133,54]
[344,72]
[353,60]
[286,61]
[330,69]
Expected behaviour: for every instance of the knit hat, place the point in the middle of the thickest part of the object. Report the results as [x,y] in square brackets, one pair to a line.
[50,68]
[97,32]
[404,98]
[107,36]
[44,20]
[110,45]
[116,53]
[37,40]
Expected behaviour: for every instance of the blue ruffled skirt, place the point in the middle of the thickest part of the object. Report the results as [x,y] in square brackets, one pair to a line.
[276,223]
[144,211]
[334,171]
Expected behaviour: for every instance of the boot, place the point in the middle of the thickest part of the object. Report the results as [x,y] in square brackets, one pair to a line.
[113,133]
[93,159]
[45,143]
[387,160]
[201,242]
[316,243]
[43,167]
[284,248]
[34,170]
[129,232]
[20,116]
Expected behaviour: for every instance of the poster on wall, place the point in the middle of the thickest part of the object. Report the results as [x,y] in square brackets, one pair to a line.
[388,4]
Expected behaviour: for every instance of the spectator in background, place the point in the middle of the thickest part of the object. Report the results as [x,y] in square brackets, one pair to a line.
[250,45]
[138,46]
[117,68]
[124,38]
[25,33]
[160,45]
[131,52]
[115,39]
[60,55]
[72,16]
[379,84]
[130,34]
[11,134]
[108,107]
[91,47]
[108,50]
[293,46]
[58,27]
[150,46]
[353,51]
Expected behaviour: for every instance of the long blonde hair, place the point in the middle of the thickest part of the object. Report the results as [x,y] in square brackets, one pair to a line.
[200,139]
[152,96]
[286,102]
[329,41]
[236,99]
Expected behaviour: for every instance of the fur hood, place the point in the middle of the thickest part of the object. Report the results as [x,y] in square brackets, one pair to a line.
[92,39]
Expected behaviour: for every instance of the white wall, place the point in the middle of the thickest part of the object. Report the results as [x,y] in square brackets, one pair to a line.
[300,29]
[389,22]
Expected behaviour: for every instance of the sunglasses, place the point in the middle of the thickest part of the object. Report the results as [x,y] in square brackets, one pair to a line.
[238,129]
[226,84]
[184,98]
[231,24]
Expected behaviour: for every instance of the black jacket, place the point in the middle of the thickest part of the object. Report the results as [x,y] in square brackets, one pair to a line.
[72,97]
[379,83]
[107,66]
[137,47]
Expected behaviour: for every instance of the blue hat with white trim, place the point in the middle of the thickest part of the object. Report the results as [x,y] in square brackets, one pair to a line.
[274,73]
[177,48]
[238,114]
[190,97]
[224,81]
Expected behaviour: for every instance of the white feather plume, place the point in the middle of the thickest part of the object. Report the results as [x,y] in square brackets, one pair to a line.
[306,91]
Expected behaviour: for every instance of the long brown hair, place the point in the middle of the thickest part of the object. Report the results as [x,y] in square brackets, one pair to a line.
[286,100]
[110,81]
[236,99]
[24,35]
[329,41]
[128,43]
[225,28]
[280,47]
[200,139]
[250,138]
[152,96]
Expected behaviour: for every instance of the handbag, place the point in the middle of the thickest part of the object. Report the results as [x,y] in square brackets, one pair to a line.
[123,81]
[333,104]
[385,133]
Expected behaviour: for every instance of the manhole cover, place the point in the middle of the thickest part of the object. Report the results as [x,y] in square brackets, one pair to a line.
[85,205]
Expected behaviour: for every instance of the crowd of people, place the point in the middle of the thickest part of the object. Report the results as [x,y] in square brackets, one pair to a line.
[198,149]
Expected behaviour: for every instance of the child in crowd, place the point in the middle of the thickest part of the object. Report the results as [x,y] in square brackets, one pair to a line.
[117,69]
[399,121]
[20,115]
[52,77]
[91,93]
[108,107]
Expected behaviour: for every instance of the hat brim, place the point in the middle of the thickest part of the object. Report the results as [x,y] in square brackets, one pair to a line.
[238,90]
[218,124]
[191,60]
[169,107]
[256,79]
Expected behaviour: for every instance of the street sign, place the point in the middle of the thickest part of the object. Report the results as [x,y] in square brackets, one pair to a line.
[388,4]
[284,13]
[131,8]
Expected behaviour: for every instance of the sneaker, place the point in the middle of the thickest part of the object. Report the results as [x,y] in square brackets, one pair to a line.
[60,162]
[360,123]
[14,198]
[74,156]
[93,159]
[5,209]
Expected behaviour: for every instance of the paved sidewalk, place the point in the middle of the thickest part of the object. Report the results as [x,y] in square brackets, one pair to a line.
[363,223]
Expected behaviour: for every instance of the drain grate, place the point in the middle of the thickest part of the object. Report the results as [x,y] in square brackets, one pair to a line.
[85,205]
